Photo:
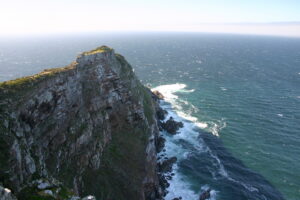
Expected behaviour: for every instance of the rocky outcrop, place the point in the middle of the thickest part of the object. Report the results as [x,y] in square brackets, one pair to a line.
[157,95]
[91,126]
[171,126]
[166,165]
[161,113]
[160,144]
[179,198]
[205,195]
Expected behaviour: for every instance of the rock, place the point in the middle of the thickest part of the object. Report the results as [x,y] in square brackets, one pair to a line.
[48,192]
[205,195]
[172,126]
[159,123]
[179,198]
[157,94]
[30,165]
[90,197]
[163,182]
[160,144]
[166,165]
[5,194]
[42,185]
[161,113]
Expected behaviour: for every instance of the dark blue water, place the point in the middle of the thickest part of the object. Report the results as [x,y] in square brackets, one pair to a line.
[239,95]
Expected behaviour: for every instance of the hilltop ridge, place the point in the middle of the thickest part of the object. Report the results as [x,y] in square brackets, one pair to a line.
[85,129]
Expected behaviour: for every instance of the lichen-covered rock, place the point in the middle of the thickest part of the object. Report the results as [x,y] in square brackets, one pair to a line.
[90,125]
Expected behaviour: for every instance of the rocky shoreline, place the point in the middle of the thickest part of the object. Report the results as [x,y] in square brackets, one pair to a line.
[164,164]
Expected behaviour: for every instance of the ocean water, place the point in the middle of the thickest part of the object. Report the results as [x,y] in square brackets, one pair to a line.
[238,96]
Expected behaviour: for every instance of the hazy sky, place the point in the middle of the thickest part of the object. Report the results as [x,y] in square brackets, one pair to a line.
[237,16]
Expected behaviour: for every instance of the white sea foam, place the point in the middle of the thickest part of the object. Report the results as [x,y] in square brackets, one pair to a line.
[169,90]
[179,186]
[216,127]
[198,61]
[223,88]
[169,93]
[220,166]
[213,193]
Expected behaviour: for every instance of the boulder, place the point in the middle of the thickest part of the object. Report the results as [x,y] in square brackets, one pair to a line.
[205,195]
[157,94]
[43,184]
[172,126]
[166,165]
[161,113]
[177,198]
[163,183]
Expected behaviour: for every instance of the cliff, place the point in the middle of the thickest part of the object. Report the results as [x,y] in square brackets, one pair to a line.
[86,129]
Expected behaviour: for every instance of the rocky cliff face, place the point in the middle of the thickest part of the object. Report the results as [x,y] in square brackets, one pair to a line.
[90,127]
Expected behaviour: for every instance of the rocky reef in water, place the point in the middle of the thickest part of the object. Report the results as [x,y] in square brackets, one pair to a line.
[89,128]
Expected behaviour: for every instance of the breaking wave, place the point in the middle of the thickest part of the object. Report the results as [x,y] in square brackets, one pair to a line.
[188,145]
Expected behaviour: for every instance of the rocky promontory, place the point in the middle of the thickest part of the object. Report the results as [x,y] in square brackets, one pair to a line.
[89,128]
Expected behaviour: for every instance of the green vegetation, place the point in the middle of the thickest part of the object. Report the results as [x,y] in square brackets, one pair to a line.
[148,106]
[32,193]
[64,193]
[101,49]
[123,159]
[82,127]
[121,59]
[140,90]
[18,87]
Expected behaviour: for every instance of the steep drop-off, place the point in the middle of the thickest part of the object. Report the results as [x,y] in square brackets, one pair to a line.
[85,129]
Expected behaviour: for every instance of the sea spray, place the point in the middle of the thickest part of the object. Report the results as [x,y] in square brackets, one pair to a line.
[190,147]
[179,185]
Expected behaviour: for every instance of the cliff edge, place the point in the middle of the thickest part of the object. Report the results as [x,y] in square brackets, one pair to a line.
[86,129]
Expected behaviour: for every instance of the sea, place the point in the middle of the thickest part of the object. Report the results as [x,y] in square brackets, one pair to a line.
[238,97]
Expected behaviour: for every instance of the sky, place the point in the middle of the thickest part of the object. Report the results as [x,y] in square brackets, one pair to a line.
[266,17]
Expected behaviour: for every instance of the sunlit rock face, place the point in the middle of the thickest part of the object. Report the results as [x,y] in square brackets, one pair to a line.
[90,125]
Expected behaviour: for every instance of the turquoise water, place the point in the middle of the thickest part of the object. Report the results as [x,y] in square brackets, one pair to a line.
[243,92]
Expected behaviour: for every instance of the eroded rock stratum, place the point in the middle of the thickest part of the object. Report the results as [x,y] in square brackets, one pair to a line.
[86,129]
